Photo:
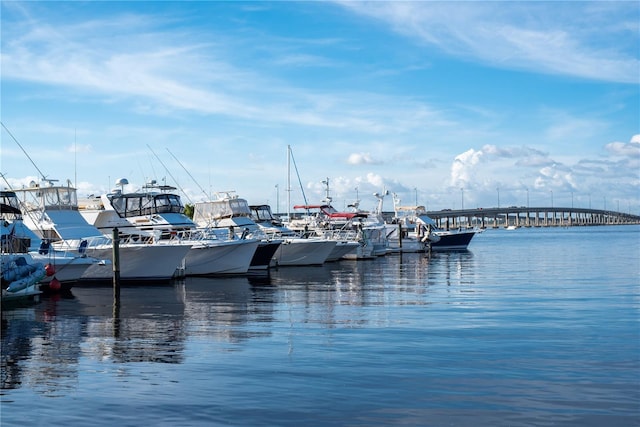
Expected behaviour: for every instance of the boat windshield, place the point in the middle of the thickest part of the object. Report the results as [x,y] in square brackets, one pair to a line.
[261,213]
[138,204]
[218,209]
[9,206]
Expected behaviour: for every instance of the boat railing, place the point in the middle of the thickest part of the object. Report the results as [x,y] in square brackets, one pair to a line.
[339,234]
[216,234]
[277,234]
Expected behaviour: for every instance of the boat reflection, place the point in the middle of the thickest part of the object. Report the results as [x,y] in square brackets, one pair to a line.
[47,345]
[44,345]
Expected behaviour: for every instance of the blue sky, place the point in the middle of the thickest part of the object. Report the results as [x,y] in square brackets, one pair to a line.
[443,102]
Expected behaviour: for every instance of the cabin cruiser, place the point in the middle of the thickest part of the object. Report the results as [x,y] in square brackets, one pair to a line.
[51,212]
[295,249]
[157,213]
[325,222]
[367,229]
[415,223]
[62,267]
[229,212]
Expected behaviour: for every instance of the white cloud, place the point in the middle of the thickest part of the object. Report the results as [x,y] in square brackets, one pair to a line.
[361,159]
[463,167]
[629,149]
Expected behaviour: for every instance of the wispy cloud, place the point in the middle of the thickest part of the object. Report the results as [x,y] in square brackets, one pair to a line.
[564,38]
[164,72]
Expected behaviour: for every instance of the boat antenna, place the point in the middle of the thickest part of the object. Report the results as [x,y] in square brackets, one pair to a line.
[327,197]
[169,172]
[23,150]
[190,176]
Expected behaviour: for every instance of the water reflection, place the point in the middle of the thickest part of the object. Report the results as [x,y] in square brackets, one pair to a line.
[43,344]
[219,308]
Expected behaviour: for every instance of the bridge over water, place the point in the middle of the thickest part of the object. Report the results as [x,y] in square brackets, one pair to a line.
[530,217]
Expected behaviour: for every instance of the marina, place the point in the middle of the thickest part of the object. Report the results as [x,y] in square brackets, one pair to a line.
[528,327]
[455,243]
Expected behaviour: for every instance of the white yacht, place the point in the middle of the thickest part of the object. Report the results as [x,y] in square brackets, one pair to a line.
[229,212]
[51,212]
[416,224]
[62,267]
[364,230]
[295,249]
[157,213]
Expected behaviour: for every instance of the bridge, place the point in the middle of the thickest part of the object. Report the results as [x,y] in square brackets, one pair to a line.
[530,217]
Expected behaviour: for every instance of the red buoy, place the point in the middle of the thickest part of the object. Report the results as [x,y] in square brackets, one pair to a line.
[54,284]
[50,270]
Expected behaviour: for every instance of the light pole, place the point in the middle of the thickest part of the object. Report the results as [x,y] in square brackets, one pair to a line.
[277,198]
[527,188]
[498,190]
[415,189]
[551,197]
[462,196]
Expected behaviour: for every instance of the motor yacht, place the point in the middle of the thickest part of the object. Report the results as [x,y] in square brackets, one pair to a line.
[296,249]
[51,212]
[230,213]
[156,213]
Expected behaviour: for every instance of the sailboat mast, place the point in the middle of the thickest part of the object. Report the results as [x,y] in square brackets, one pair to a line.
[289,183]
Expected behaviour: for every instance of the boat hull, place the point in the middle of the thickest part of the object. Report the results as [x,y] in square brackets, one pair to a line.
[137,262]
[230,257]
[66,268]
[363,251]
[300,252]
[452,241]
[263,255]
[341,249]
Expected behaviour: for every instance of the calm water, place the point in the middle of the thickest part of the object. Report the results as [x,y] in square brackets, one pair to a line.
[532,327]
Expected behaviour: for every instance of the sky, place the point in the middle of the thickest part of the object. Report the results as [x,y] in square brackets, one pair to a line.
[446,104]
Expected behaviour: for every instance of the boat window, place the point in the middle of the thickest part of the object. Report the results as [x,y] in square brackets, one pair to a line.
[261,213]
[118,204]
[9,198]
[50,197]
[239,207]
[132,206]
[145,206]
[168,203]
